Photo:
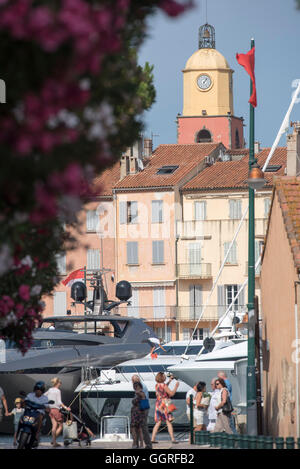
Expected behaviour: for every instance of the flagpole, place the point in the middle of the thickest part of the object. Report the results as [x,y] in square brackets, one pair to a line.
[251,376]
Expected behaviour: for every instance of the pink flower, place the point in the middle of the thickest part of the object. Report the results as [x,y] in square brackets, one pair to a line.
[174,8]
[6,304]
[24,292]
[19,310]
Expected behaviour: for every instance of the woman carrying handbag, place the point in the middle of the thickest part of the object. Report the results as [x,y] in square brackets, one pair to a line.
[224,409]
[163,405]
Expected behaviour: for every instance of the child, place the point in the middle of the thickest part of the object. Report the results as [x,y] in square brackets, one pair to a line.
[17,412]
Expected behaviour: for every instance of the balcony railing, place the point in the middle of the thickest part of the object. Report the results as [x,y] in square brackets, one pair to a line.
[201,229]
[202,270]
[181,313]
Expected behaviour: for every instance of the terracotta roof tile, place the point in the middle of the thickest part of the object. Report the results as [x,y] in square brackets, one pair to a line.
[288,191]
[186,157]
[234,174]
[105,183]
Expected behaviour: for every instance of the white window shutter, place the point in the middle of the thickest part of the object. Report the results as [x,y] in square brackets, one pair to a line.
[200,210]
[91,220]
[93,259]
[221,300]
[157,211]
[159,302]
[267,204]
[133,212]
[157,252]
[123,212]
[132,252]
[59,303]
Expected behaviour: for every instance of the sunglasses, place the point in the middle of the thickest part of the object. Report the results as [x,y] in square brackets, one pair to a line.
[216,384]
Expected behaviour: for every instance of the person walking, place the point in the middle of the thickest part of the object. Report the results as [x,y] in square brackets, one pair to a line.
[214,401]
[223,376]
[137,416]
[3,404]
[200,408]
[162,410]
[17,412]
[54,394]
[144,426]
[223,422]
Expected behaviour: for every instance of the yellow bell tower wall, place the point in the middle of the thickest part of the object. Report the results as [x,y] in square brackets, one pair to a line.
[207,85]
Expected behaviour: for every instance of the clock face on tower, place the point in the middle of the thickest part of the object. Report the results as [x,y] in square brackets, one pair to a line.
[204,82]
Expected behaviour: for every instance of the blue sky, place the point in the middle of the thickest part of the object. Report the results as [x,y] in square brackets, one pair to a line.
[275,26]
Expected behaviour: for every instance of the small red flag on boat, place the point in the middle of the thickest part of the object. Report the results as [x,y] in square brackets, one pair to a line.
[77,275]
[248,61]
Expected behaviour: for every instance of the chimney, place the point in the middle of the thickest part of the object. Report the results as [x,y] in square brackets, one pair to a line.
[147,147]
[256,147]
[293,151]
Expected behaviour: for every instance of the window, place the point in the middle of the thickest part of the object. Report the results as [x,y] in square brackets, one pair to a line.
[272,168]
[204,136]
[237,139]
[133,308]
[267,204]
[132,253]
[164,333]
[235,209]
[231,292]
[59,303]
[159,302]
[157,252]
[157,211]
[128,212]
[195,301]
[93,259]
[61,263]
[200,210]
[199,334]
[167,169]
[232,256]
[91,220]
[194,258]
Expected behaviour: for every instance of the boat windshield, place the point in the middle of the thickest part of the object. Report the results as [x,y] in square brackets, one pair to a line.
[178,350]
[112,328]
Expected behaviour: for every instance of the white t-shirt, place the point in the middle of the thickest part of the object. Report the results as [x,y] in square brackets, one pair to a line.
[38,400]
[54,394]
[193,393]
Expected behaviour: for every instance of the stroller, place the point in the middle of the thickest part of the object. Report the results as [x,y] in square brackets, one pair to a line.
[75,430]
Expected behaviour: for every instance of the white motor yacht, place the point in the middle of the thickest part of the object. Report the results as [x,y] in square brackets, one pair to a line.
[111,393]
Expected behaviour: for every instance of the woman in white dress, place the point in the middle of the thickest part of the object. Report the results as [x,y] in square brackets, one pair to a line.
[200,412]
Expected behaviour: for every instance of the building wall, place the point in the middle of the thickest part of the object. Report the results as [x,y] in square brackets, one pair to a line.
[77,258]
[212,233]
[278,329]
[220,127]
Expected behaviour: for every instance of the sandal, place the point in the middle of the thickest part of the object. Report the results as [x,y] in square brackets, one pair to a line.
[174,442]
[153,442]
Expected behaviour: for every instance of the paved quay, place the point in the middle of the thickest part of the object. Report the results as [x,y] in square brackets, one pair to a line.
[161,445]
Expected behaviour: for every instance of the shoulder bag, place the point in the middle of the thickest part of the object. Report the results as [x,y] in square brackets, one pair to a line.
[227,407]
[144,404]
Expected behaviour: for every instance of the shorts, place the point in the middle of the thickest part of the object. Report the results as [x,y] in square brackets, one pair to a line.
[199,417]
[56,415]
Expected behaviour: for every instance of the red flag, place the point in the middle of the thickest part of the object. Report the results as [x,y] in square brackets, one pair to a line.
[73,276]
[247,61]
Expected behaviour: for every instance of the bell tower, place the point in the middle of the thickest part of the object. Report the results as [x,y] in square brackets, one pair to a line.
[207,114]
